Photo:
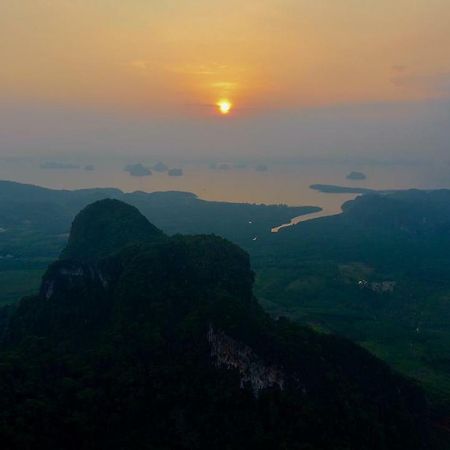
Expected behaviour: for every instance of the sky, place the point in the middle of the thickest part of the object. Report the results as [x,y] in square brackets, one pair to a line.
[304,77]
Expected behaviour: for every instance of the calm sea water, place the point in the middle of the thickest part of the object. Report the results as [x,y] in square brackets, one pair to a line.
[281,183]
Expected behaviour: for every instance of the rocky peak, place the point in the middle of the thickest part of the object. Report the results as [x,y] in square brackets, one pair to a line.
[228,353]
[106,226]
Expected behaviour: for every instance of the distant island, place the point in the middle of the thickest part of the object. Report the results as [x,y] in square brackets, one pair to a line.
[89,167]
[137,170]
[332,189]
[160,167]
[53,165]
[175,172]
[220,166]
[261,168]
[356,176]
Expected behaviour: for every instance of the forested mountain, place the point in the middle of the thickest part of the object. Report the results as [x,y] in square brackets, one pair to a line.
[35,222]
[138,340]
[379,274]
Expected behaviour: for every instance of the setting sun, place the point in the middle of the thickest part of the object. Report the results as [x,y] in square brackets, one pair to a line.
[224,106]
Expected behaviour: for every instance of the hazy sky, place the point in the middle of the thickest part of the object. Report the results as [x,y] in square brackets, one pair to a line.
[304,76]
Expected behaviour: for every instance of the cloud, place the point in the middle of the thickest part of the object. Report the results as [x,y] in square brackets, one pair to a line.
[140,65]
[224,85]
[436,84]
[201,69]
[399,68]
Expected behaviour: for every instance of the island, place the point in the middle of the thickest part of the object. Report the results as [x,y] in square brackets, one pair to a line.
[261,168]
[332,189]
[356,176]
[175,172]
[137,170]
[160,167]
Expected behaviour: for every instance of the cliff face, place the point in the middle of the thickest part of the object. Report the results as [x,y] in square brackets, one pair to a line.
[228,353]
[69,276]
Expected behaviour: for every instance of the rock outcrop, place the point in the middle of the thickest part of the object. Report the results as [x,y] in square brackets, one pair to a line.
[254,371]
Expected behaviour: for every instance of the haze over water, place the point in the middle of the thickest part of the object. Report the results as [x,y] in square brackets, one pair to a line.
[281,183]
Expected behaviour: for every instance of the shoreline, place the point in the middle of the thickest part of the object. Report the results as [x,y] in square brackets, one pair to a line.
[317,215]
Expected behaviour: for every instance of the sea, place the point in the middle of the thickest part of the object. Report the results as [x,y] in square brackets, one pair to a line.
[231,181]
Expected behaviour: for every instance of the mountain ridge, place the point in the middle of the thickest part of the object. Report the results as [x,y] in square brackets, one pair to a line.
[166,337]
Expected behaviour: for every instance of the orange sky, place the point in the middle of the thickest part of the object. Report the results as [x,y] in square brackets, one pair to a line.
[180,57]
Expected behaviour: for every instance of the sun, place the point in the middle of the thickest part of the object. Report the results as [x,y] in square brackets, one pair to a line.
[224,106]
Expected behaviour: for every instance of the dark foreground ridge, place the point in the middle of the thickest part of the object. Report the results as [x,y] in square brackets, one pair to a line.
[141,341]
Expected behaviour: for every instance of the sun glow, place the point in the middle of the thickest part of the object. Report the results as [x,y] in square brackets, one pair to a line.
[224,106]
